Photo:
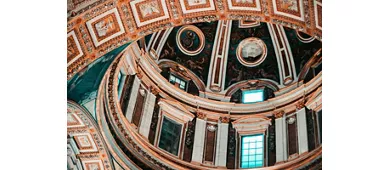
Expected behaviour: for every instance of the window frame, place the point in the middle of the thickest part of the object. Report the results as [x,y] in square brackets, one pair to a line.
[262,89]
[121,82]
[158,135]
[239,148]
[180,78]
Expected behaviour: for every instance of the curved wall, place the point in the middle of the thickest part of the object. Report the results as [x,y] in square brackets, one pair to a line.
[290,129]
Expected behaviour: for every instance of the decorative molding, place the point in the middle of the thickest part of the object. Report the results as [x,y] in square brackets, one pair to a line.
[86,139]
[195,30]
[200,115]
[138,18]
[250,124]
[279,114]
[224,119]
[300,104]
[152,156]
[194,101]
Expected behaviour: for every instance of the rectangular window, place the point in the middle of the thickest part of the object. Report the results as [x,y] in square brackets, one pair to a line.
[252,96]
[252,151]
[170,136]
[177,81]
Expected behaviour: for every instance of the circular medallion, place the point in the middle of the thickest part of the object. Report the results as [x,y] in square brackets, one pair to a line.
[190,40]
[251,52]
[304,37]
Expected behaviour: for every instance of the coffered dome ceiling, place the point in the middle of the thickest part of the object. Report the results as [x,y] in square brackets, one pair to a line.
[194,84]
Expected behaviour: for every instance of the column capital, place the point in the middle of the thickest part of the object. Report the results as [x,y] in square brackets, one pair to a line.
[200,115]
[224,119]
[300,104]
[155,90]
[139,72]
[279,114]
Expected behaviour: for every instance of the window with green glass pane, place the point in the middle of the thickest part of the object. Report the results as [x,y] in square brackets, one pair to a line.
[252,151]
[173,80]
[170,136]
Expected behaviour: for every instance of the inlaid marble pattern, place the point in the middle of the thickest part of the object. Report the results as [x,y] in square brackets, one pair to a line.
[244,5]
[289,8]
[73,48]
[98,28]
[105,27]
[146,12]
[93,165]
[192,6]
[85,142]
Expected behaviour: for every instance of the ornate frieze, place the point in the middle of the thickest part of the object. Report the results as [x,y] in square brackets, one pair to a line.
[84,135]
[138,18]
[279,114]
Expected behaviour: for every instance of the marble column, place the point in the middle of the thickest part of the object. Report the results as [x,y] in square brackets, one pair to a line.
[133,97]
[147,115]
[197,152]
[222,141]
[302,131]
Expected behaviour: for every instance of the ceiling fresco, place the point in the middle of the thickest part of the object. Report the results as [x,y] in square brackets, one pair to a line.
[201,73]
[268,69]
[254,51]
[199,63]
[96,27]
[301,51]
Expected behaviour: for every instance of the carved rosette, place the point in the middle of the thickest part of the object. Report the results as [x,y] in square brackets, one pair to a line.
[155,90]
[300,105]
[200,115]
[224,119]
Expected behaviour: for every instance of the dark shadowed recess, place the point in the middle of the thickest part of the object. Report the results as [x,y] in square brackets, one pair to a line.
[301,51]
[199,64]
[237,72]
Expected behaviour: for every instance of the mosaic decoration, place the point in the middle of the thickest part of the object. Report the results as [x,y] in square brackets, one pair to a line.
[102,26]
[146,12]
[192,6]
[73,121]
[190,40]
[251,52]
[85,142]
[302,51]
[267,69]
[198,64]
[74,51]
[289,8]
[105,27]
[244,5]
[93,165]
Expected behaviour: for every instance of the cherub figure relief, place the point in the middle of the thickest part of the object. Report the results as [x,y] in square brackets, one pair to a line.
[196,66]
[239,76]
[168,52]
[103,27]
